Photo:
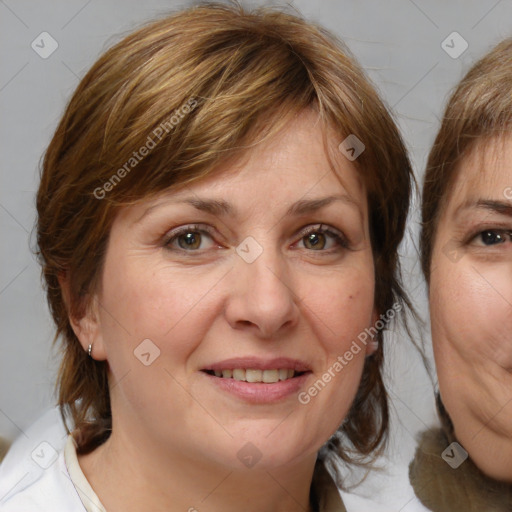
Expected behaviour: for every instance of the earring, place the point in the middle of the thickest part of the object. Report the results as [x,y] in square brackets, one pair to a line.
[89,350]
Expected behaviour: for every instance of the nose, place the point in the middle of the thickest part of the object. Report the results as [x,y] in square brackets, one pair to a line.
[261,296]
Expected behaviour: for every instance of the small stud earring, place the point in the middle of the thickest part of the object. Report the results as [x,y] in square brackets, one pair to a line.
[89,350]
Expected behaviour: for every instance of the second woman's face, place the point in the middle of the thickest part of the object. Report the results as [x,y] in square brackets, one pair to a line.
[229,309]
[471,306]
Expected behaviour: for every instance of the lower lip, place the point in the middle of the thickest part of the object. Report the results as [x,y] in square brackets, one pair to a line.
[260,392]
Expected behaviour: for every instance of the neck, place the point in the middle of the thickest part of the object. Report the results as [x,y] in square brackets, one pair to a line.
[129,475]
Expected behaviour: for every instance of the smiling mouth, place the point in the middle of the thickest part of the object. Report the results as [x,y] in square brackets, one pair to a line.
[253,375]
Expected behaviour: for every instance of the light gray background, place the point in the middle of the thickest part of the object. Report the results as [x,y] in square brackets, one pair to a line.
[399,44]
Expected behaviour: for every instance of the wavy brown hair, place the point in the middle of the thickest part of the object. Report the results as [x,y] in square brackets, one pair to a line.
[479,108]
[248,73]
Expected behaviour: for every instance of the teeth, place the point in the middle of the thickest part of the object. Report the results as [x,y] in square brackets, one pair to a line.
[238,374]
[270,376]
[253,375]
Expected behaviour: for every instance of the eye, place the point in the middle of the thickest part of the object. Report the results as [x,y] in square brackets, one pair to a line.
[189,238]
[320,238]
[491,237]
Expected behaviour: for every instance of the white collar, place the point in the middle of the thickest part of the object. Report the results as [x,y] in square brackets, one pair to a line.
[88,497]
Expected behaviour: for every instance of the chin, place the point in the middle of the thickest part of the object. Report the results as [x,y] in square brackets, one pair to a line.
[269,452]
[495,462]
[491,451]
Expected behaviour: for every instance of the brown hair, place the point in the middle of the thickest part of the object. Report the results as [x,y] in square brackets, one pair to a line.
[479,108]
[236,70]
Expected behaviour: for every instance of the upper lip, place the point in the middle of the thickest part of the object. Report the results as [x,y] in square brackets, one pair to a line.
[255,363]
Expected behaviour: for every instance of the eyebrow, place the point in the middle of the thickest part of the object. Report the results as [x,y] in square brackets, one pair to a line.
[221,208]
[490,205]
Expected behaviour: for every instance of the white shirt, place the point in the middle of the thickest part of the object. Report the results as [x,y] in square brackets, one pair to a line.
[49,490]
[40,473]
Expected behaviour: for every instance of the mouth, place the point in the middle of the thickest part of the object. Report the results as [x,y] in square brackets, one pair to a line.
[254,375]
[259,381]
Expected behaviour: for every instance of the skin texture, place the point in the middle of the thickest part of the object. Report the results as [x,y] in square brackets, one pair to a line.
[471,306]
[176,436]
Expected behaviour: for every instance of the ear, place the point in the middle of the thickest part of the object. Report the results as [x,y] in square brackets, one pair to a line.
[372,346]
[87,328]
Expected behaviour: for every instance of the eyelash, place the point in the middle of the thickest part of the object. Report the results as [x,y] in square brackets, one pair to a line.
[340,239]
[192,228]
[173,236]
[497,231]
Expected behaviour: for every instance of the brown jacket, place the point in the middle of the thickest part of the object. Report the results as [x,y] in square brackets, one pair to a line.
[444,489]
[324,494]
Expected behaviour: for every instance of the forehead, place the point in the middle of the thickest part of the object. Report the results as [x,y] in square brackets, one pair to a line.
[485,172]
[302,161]
[303,155]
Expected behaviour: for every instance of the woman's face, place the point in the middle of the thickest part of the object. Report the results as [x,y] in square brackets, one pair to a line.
[471,306]
[261,272]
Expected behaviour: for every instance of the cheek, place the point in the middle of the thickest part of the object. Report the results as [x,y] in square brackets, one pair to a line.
[340,311]
[338,314]
[471,315]
[145,301]
[150,300]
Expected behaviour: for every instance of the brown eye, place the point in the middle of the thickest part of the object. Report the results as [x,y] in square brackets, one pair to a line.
[491,237]
[314,241]
[323,239]
[191,240]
